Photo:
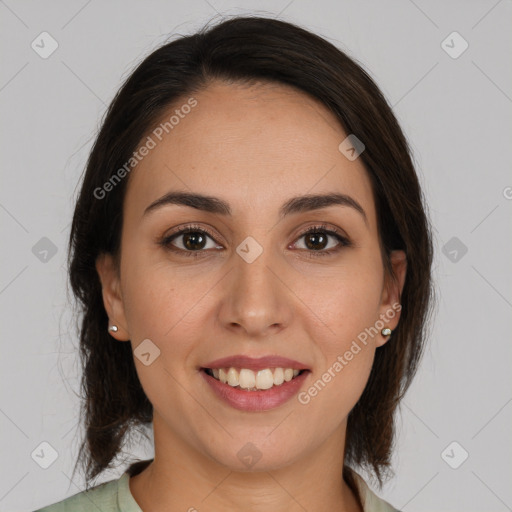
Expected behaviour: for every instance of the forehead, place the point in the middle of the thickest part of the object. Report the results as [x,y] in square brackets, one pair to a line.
[254,146]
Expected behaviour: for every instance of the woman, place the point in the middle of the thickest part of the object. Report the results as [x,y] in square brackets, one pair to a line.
[252,255]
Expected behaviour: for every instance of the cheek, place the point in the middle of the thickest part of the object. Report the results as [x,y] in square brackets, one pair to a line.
[154,297]
[346,299]
[333,393]
[348,311]
[346,352]
[165,305]
[150,307]
[160,307]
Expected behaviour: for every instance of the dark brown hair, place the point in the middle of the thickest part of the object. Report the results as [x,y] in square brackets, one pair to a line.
[247,50]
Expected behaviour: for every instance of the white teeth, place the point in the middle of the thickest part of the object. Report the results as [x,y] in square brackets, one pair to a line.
[278,376]
[264,379]
[248,379]
[232,377]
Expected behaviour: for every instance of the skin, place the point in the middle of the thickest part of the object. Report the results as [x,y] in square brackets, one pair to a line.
[255,147]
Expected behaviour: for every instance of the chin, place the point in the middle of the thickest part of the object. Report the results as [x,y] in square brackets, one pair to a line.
[255,456]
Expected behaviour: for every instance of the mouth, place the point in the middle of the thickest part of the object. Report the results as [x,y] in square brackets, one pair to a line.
[250,380]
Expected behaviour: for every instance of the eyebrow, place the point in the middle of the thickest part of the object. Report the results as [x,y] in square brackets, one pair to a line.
[218,206]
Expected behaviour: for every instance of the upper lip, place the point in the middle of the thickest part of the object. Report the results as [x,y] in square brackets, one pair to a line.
[256,364]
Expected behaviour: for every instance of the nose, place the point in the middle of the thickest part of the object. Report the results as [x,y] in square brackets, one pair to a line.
[256,301]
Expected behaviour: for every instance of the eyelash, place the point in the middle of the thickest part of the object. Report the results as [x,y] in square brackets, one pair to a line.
[344,242]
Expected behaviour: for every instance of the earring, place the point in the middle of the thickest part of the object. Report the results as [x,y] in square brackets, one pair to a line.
[386,331]
[113,328]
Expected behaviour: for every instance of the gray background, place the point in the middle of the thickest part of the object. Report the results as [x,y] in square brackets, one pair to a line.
[457,115]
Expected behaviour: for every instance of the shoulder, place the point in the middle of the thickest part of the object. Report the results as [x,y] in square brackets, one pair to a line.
[371,502]
[111,496]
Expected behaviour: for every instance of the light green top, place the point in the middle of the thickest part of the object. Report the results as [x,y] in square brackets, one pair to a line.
[115,496]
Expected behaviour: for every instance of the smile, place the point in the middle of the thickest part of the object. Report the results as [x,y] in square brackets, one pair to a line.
[253,398]
[250,380]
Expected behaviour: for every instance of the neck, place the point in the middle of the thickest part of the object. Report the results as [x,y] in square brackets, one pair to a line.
[181,478]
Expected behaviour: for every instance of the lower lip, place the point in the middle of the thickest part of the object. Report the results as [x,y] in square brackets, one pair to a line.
[260,400]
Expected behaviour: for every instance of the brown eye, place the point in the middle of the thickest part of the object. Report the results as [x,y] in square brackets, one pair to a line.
[194,240]
[317,239]
[189,241]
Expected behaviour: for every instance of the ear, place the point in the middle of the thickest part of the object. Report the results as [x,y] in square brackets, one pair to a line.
[112,297]
[390,306]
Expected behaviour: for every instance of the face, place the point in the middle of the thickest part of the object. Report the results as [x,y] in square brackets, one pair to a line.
[250,282]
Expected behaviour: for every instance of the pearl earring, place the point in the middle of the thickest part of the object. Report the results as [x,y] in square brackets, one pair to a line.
[113,328]
[386,331]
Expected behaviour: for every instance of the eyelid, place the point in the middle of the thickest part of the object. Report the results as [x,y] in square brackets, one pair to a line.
[330,229]
[189,228]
